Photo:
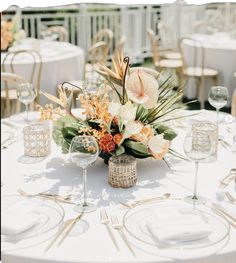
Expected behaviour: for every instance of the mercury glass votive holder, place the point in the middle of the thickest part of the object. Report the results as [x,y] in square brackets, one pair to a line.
[211,130]
[37,140]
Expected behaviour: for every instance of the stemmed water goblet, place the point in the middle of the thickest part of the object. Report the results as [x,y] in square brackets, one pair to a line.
[198,147]
[84,152]
[218,97]
[26,94]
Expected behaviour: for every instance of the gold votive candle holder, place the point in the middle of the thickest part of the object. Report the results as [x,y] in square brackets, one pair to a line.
[37,140]
[210,129]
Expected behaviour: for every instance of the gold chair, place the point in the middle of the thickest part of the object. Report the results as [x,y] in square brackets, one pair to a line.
[97,53]
[61,31]
[120,45]
[9,100]
[165,37]
[160,64]
[197,70]
[35,76]
[104,35]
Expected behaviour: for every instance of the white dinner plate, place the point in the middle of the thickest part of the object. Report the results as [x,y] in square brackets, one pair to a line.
[50,216]
[136,222]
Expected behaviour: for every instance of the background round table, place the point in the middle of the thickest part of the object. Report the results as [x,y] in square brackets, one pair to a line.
[57,174]
[220,54]
[61,61]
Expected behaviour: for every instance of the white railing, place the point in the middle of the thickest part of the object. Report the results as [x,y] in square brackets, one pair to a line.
[83,21]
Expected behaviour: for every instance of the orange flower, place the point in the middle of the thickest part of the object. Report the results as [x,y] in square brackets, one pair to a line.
[107,144]
[117,138]
[107,138]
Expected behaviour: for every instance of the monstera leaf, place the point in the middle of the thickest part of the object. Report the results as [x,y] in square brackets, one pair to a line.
[64,129]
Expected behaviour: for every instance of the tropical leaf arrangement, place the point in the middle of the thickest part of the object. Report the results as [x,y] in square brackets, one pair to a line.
[132,122]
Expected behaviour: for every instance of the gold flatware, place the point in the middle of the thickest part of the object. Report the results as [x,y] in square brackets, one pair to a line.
[230,198]
[141,201]
[66,224]
[116,225]
[105,220]
[226,215]
[227,146]
[48,196]
[220,213]
[68,230]
[227,179]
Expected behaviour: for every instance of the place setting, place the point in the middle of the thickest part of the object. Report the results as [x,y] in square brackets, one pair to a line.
[115,150]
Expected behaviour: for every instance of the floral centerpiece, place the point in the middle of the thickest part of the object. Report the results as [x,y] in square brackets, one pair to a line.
[11,32]
[132,122]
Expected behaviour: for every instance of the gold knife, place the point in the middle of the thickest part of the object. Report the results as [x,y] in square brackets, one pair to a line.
[65,234]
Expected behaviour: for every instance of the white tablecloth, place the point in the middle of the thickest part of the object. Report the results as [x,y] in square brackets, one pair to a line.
[58,175]
[61,62]
[220,54]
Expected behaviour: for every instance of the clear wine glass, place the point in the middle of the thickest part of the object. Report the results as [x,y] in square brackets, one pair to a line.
[84,152]
[218,97]
[197,146]
[26,94]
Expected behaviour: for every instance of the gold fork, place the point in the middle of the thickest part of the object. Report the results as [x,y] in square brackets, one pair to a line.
[141,201]
[231,198]
[105,220]
[116,225]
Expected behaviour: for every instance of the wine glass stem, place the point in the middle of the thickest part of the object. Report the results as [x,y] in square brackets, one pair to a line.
[85,186]
[217,116]
[27,111]
[195,181]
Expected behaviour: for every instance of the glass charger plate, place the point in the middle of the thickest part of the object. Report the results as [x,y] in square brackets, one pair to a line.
[136,223]
[21,118]
[50,216]
[203,115]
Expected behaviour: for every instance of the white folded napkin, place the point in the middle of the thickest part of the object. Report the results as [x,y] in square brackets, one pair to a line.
[19,217]
[171,225]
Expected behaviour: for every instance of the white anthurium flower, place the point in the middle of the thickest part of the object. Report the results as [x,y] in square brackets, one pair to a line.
[114,108]
[158,146]
[142,88]
[132,127]
[128,112]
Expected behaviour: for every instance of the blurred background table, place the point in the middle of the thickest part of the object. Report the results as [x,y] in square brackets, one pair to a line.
[220,54]
[61,62]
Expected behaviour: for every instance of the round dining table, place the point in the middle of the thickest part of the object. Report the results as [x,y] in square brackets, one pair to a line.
[61,61]
[90,241]
[220,55]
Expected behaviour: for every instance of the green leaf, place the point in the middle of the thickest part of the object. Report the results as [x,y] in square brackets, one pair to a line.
[137,146]
[120,150]
[59,131]
[169,134]
[160,128]
[120,124]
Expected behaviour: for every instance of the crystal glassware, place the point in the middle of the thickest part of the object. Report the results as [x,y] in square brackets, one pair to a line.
[84,152]
[197,146]
[218,97]
[210,129]
[37,140]
[26,94]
